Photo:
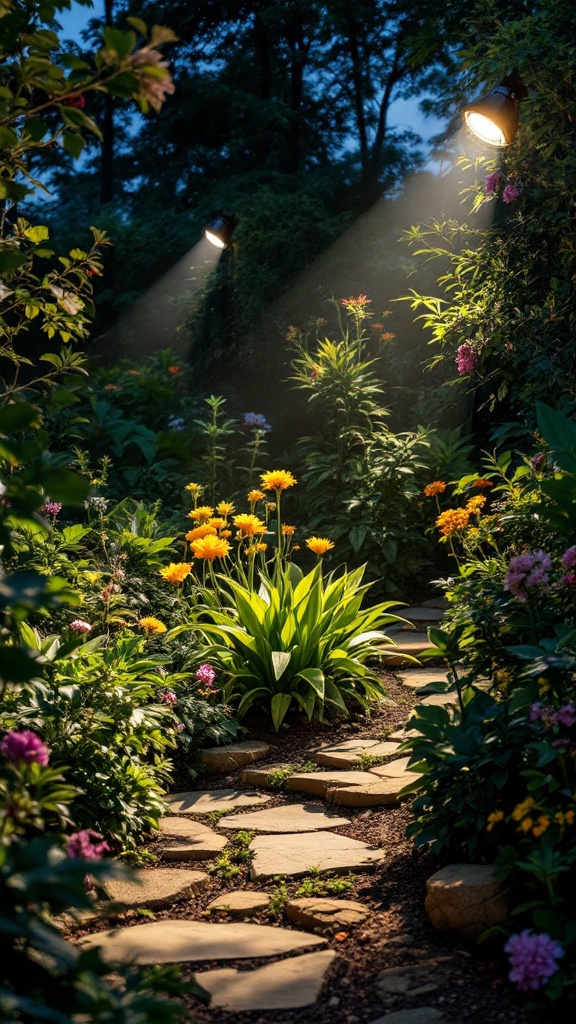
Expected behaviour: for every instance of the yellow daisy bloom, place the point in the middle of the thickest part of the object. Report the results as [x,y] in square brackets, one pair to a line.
[217,522]
[248,524]
[436,487]
[277,480]
[451,520]
[225,533]
[210,547]
[176,572]
[254,496]
[493,819]
[201,513]
[152,625]
[474,504]
[319,545]
[200,531]
[288,531]
[194,488]
[225,508]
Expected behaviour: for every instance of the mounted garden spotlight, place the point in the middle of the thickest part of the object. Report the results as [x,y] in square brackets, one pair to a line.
[494,118]
[220,231]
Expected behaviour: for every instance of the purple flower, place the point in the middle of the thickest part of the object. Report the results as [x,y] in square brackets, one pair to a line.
[510,193]
[25,746]
[538,462]
[466,359]
[80,626]
[492,182]
[532,958]
[569,558]
[566,715]
[168,697]
[51,508]
[526,571]
[206,675]
[256,419]
[81,844]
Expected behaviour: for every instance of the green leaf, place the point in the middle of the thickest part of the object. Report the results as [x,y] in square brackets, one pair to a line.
[278,708]
[18,416]
[64,485]
[560,433]
[73,143]
[11,259]
[8,138]
[280,662]
[315,677]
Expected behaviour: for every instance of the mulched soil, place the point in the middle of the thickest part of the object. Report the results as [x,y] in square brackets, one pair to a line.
[467,982]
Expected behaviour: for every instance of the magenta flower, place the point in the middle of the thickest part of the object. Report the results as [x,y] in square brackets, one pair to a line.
[168,697]
[24,746]
[538,462]
[569,558]
[527,571]
[206,675]
[51,508]
[492,182]
[510,193]
[532,958]
[466,359]
[566,715]
[80,626]
[81,844]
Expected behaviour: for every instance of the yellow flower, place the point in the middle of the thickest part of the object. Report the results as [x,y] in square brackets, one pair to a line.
[288,531]
[217,522]
[277,480]
[248,524]
[254,496]
[541,825]
[451,520]
[92,577]
[201,513]
[210,547]
[194,488]
[437,487]
[493,819]
[474,504]
[319,545]
[200,531]
[176,572]
[261,547]
[225,508]
[523,808]
[152,625]
[225,533]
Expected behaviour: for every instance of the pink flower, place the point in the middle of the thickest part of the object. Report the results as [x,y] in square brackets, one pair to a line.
[206,675]
[154,79]
[532,959]
[527,571]
[569,558]
[81,844]
[25,746]
[51,508]
[80,626]
[75,101]
[466,359]
[168,697]
[510,193]
[492,182]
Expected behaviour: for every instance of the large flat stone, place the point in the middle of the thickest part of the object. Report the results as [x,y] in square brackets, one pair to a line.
[295,854]
[423,613]
[319,783]
[465,899]
[186,839]
[206,801]
[410,647]
[417,677]
[234,755]
[287,985]
[419,1015]
[437,602]
[325,915]
[240,902]
[383,792]
[170,942]
[349,752]
[397,769]
[289,818]
[156,887]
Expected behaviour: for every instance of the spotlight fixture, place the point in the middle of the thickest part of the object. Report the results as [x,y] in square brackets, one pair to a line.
[220,231]
[494,118]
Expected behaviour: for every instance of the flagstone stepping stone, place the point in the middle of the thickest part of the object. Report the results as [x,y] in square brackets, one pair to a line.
[419,1015]
[286,985]
[348,753]
[414,979]
[234,755]
[295,854]
[326,915]
[241,903]
[436,602]
[171,942]
[186,839]
[417,677]
[410,647]
[396,769]
[289,818]
[385,791]
[423,613]
[440,700]
[156,887]
[313,783]
[206,801]
[400,735]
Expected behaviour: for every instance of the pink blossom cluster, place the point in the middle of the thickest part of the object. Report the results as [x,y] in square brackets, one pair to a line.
[533,957]
[51,508]
[80,626]
[510,193]
[527,571]
[168,697]
[466,359]
[25,747]
[205,675]
[82,844]
[492,182]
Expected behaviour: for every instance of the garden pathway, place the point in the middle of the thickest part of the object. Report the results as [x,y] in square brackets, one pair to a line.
[291,840]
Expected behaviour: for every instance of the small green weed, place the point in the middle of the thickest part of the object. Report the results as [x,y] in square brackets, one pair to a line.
[309,766]
[278,898]
[277,776]
[228,865]
[214,816]
[366,760]
[144,912]
[325,885]
[224,867]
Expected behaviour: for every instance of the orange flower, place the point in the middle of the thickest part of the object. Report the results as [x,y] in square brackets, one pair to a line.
[225,533]
[437,487]
[210,547]
[134,373]
[152,625]
[319,545]
[277,480]
[201,513]
[451,520]
[288,531]
[176,572]
[482,483]
[175,370]
[248,524]
[200,531]
[255,496]
[261,547]
[473,505]
[217,522]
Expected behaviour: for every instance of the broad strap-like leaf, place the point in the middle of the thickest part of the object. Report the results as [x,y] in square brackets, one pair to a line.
[279,707]
[280,661]
[315,677]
